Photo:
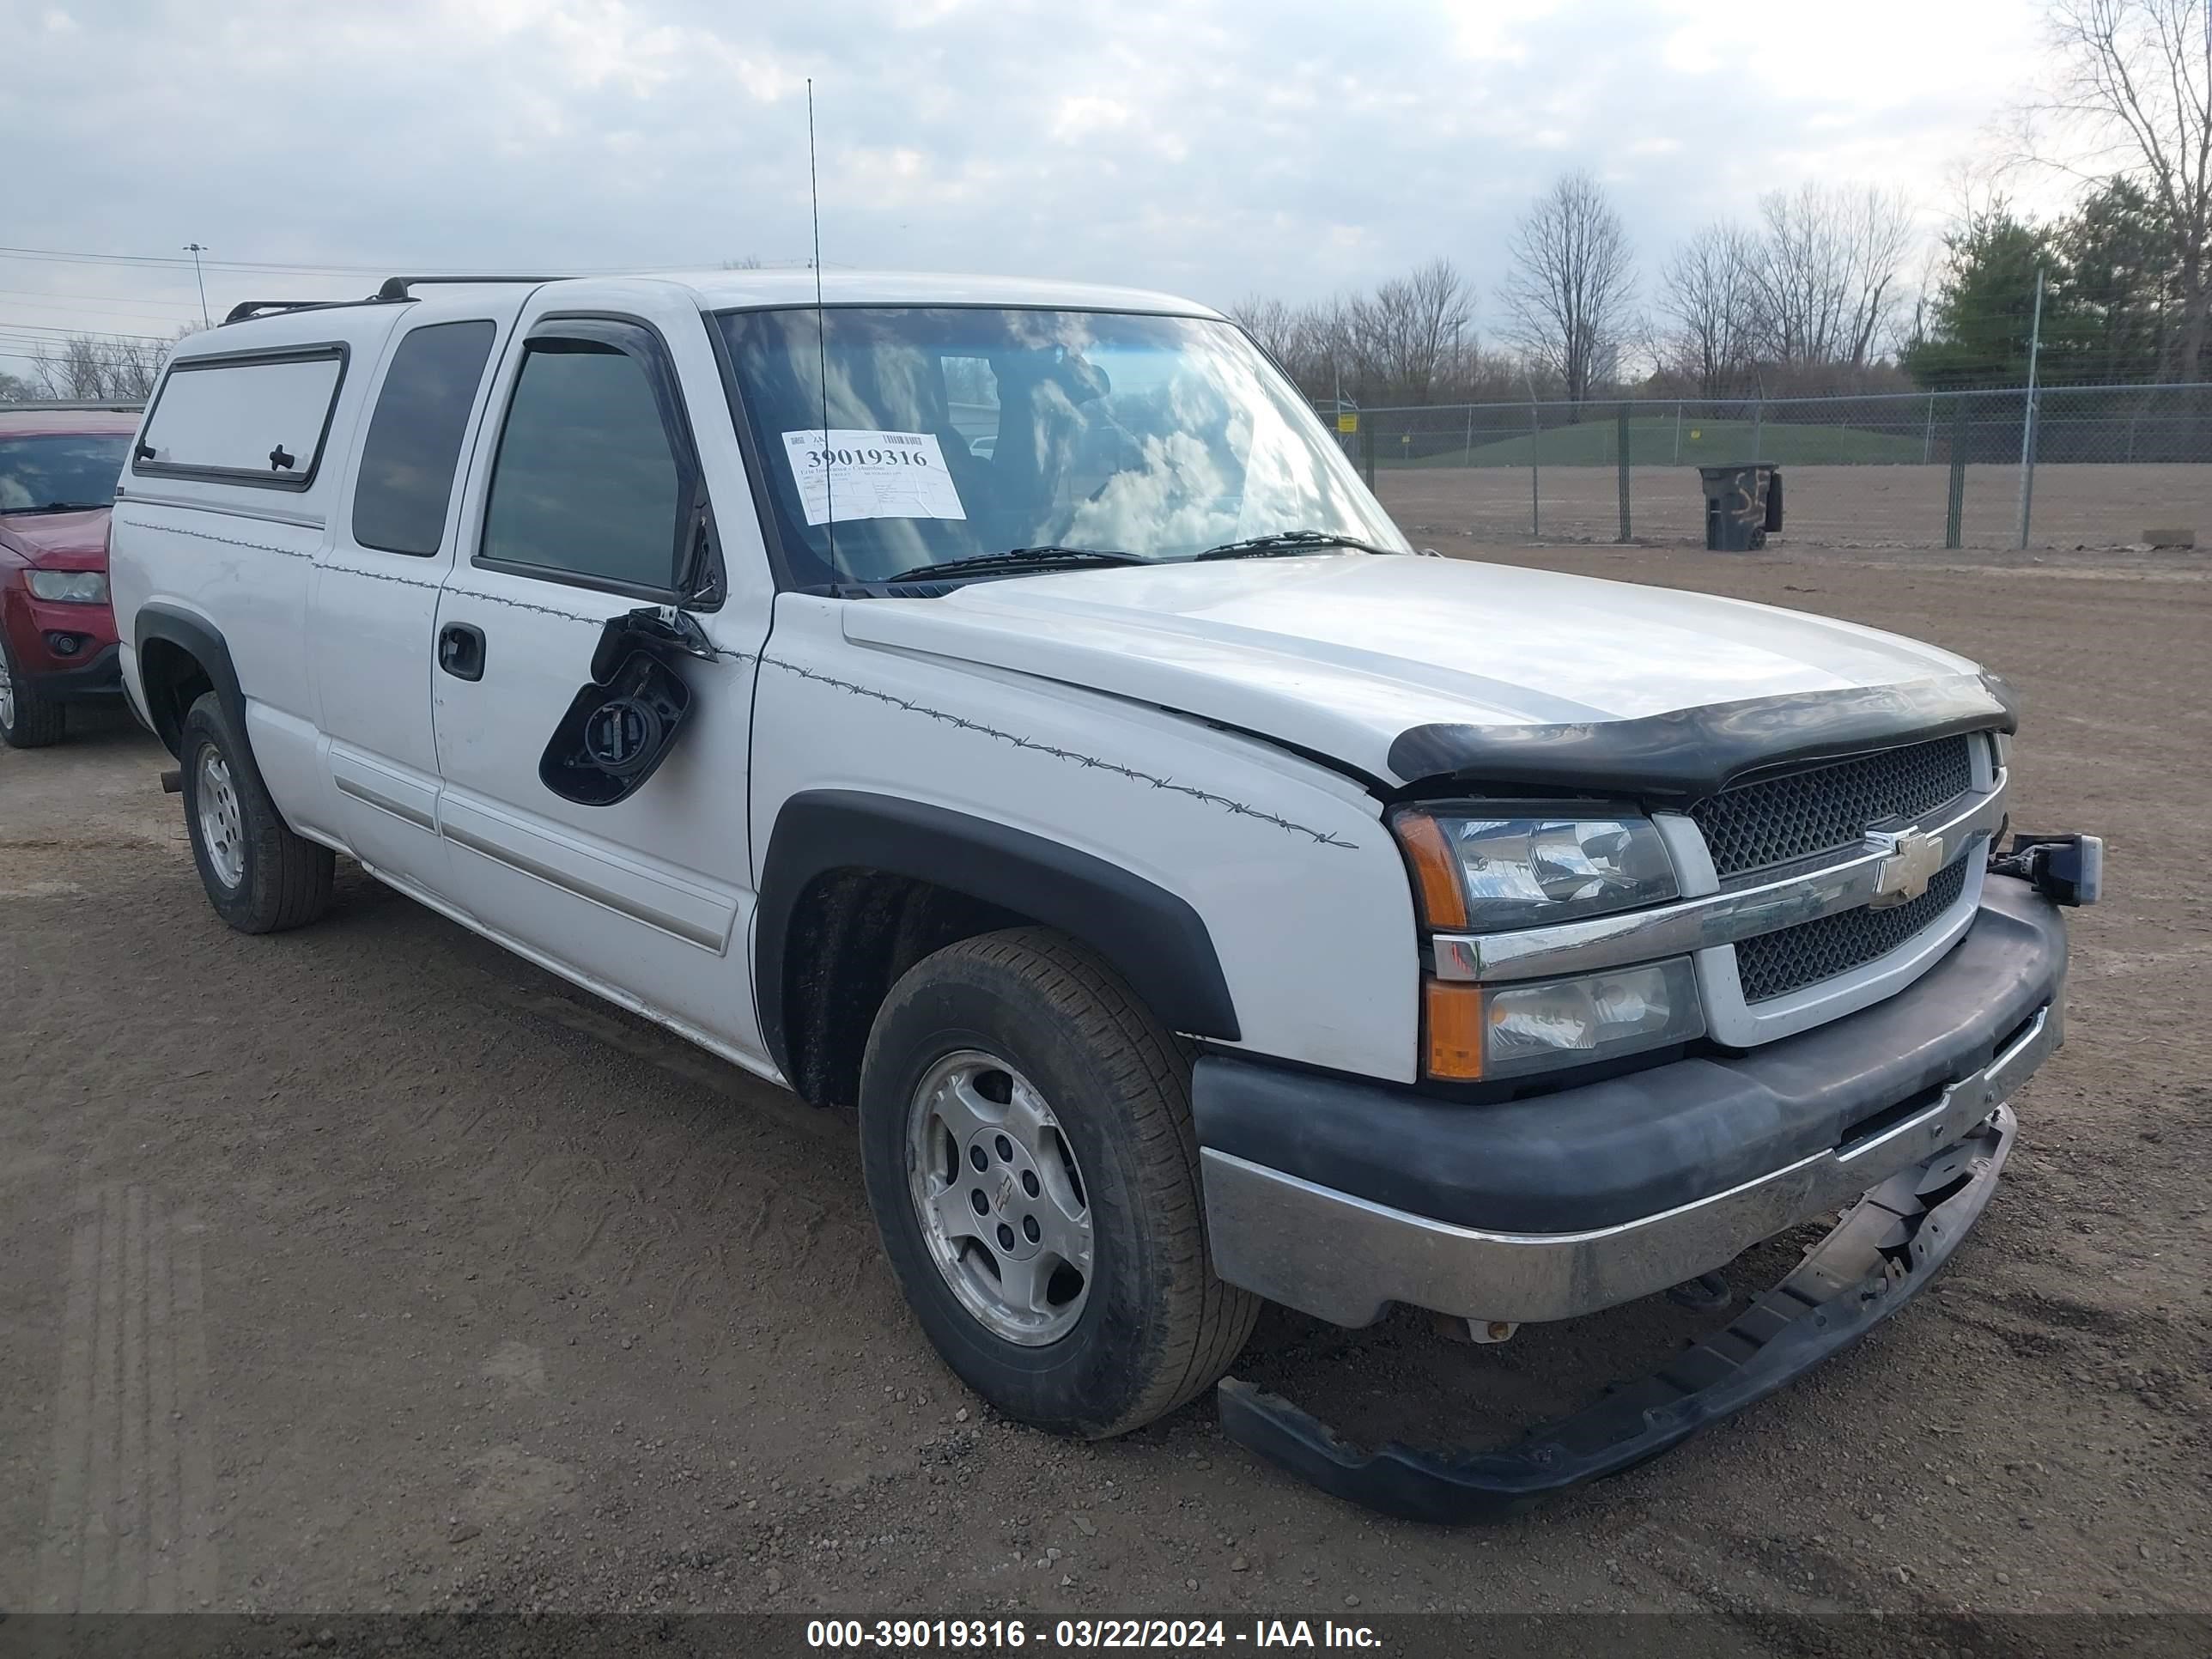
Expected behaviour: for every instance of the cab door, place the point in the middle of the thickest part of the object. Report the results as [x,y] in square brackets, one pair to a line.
[373,602]
[610,480]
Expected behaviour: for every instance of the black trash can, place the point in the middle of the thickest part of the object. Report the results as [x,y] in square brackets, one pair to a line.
[1743,501]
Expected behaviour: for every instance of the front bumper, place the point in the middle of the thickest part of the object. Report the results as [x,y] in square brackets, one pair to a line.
[84,681]
[91,670]
[1590,1197]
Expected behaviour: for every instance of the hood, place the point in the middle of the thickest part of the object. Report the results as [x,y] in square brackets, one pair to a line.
[61,541]
[1405,668]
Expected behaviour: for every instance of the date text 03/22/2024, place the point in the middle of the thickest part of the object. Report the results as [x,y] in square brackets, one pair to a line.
[899,1635]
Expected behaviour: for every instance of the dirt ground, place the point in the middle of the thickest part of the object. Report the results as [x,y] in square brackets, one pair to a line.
[369,1267]
[1888,508]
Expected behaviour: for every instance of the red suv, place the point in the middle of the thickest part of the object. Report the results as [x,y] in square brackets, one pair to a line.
[59,468]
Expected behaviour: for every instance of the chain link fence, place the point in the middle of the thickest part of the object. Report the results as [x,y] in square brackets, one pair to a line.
[2072,466]
[2082,466]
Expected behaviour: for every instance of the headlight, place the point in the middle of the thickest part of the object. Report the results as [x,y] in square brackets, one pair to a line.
[1565,1022]
[1481,1032]
[81,587]
[1490,874]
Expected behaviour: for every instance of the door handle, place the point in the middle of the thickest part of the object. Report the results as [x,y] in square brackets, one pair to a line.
[461,651]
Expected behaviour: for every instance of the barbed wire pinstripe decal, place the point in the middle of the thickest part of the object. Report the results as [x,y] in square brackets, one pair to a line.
[393,577]
[1074,757]
[959,722]
[232,541]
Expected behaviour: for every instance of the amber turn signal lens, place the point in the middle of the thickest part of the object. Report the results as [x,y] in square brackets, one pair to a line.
[1435,872]
[1452,1015]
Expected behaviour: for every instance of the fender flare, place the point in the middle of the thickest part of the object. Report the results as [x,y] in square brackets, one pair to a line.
[1152,938]
[195,636]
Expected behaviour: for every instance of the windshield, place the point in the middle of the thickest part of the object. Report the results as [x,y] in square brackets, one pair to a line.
[957,432]
[75,468]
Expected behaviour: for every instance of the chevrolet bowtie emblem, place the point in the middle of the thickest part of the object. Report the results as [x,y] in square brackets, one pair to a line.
[1904,875]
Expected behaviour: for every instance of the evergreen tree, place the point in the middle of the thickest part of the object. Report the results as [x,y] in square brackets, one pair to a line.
[2121,280]
[1977,329]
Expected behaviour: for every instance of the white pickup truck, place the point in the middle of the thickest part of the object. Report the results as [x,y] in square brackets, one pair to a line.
[997,707]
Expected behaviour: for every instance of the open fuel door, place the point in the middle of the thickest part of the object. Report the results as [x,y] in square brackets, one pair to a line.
[626,718]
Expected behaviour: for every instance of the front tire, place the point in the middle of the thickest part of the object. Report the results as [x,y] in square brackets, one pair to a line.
[1027,1144]
[260,876]
[28,719]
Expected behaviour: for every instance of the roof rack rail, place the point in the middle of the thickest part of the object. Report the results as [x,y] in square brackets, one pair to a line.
[395,288]
[246,309]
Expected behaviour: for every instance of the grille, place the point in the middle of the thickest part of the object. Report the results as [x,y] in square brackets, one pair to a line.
[1774,964]
[1779,820]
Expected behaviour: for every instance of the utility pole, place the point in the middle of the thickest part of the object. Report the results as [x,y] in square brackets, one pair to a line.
[195,249]
[1536,478]
[2027,415]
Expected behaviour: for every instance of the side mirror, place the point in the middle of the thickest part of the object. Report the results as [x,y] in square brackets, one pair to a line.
[699,576]
[624,721]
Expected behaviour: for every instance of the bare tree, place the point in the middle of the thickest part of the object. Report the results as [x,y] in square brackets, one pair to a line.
[120,368]
[76,369]
[1573,278]
[1275,323]
[2134,96]
[1708,301]
[1827,276]
[1420,326]
[1311,342]
[1411,340]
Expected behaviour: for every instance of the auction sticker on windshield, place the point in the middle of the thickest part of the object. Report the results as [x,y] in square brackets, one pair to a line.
[849,474]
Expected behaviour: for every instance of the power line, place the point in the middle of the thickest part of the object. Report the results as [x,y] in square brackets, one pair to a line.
[66,256]
[66,331]
[42,358]
[61,328]
[115,347]
[56,294]
[8,305]
[98,347]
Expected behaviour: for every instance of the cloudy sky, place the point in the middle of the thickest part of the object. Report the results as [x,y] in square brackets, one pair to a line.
[1213,149]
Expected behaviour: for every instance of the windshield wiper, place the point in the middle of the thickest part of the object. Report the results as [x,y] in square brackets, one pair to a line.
[62,507]
[1287,541]
[1017,558]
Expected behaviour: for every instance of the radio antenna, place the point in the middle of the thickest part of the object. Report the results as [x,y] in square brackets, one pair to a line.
[821,336]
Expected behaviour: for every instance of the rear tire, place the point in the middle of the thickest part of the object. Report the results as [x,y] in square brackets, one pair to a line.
[260,877]
[1093,1138]
[28,719]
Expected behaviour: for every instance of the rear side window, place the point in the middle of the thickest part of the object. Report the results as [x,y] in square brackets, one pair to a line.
[586,483]
[258,419]
[414,444]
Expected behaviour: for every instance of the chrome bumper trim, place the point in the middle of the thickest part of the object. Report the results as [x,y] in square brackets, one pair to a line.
[1346,1259]
[1698,924]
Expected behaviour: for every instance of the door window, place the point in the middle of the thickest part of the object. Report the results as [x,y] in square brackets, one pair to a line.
[413,441]
[588,484]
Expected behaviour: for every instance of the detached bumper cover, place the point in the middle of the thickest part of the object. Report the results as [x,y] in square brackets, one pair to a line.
[1883,1253]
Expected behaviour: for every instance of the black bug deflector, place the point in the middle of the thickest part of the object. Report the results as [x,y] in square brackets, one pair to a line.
[1697,751]
[1882,1253]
